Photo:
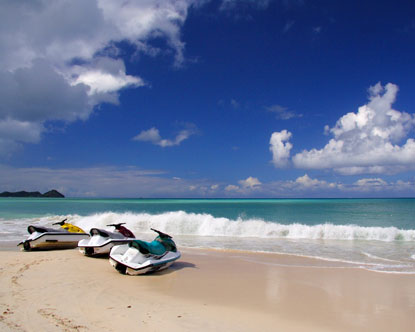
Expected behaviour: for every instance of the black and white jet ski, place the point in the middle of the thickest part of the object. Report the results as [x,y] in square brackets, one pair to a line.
[45,238]
[101,240]
[140,257]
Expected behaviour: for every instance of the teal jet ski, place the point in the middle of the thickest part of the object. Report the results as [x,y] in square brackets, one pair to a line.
[140,257]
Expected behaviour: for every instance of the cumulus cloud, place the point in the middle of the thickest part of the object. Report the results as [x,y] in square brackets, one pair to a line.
[246,187]
[280,148]
[232,187]
[59,59]
[103,76]
[62,30]
[152,135]
[14,131]
[371,183]
[250,182]
[30,96]
[379,185]
[370,141]
[23,131]
[306,182]
[38,93]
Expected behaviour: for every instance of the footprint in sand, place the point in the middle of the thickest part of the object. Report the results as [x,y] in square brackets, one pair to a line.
[24,268]
[4,318]
[64,323]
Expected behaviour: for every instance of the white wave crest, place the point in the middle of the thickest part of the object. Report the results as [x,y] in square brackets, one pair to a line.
[182,223]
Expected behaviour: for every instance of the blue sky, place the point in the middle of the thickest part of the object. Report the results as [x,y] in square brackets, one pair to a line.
[199,98]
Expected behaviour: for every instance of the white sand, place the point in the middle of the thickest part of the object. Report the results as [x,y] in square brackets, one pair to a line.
[205,290]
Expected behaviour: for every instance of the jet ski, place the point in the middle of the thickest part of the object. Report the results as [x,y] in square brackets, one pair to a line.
[101,241]
[140,257]
[41,237]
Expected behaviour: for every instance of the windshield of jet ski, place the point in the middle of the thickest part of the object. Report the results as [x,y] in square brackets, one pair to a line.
[69,227]
[100,232]
[161,234]
[166,240]
[168,243]
[40,229]
[123,230]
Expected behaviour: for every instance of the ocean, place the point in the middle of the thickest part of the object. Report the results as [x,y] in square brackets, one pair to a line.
[372,234]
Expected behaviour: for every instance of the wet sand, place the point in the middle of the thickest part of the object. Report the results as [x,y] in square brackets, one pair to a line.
[206,290]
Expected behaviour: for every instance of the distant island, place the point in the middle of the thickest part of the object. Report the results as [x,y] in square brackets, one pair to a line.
[50,194]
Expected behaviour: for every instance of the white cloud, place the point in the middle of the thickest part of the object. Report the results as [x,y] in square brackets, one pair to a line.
[152,135]
[104,75]
[30,96]
[14,132]
[61,30]
[306,182]
[38,93]
[378,185]
[364,142]
[280,148]
[250,182]
[59,58]
[232,187]
[246,187]
[22,131]
[371,183]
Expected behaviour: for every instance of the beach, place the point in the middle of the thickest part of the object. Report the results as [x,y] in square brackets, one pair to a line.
[206,290]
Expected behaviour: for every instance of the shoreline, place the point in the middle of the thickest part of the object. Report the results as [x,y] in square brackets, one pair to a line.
[209,290]
[288,260]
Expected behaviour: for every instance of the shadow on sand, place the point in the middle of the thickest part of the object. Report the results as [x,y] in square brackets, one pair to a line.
[175,267]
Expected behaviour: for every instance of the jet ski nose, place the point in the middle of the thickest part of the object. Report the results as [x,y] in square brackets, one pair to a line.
[121,268]
[89,251]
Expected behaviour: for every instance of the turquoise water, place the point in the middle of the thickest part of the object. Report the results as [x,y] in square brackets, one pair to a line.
[378,233]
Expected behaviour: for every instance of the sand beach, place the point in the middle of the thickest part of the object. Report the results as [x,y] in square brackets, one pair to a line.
[206,290]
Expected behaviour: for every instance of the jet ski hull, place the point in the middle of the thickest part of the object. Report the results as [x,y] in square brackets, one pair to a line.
[52,240]
[94,247]
[130,261]
[101,241]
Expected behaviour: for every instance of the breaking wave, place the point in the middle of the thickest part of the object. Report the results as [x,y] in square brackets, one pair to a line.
[183,223]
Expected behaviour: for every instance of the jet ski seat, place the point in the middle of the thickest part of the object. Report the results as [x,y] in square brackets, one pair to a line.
[154,247]
[40,229]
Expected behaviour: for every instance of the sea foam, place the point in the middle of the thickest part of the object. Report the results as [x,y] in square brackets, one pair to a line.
[183,223]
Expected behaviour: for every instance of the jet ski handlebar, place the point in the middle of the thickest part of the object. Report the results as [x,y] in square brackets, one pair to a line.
[117,225]
[60,222]
[162,235]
